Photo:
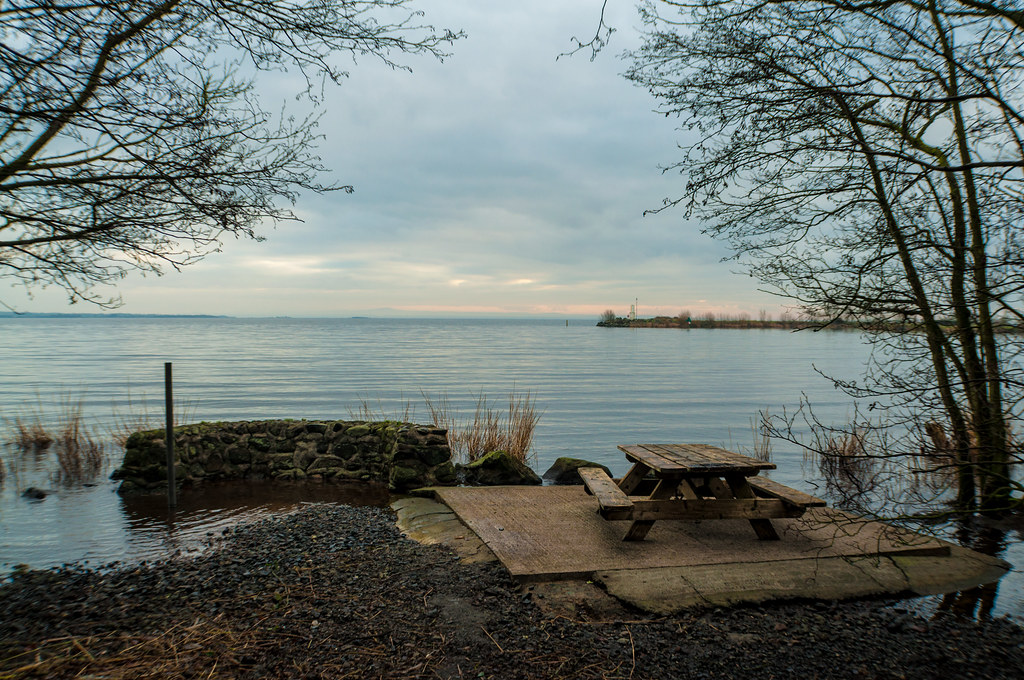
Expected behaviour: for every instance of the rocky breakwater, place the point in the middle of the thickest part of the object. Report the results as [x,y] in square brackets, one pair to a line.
[402,455]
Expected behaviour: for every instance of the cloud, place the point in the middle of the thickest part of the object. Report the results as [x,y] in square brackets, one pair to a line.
[503,180]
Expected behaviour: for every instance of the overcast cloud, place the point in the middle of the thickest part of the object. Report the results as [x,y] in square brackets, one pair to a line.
[502,181]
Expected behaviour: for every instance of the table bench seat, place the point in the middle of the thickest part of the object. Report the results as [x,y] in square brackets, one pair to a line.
[771,489]
[613,502]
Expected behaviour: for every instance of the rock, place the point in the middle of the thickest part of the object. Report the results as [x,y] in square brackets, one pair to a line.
[406,454]
[325,462]
[564,471]
[34,493]
[445,474]
[406,477]
[499,468]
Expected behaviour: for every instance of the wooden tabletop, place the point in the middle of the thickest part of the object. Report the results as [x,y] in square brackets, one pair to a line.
[687,460]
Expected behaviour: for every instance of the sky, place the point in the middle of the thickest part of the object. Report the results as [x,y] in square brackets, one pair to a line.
[504,181]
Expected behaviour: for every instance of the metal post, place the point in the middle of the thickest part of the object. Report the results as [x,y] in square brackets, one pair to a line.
[172,500]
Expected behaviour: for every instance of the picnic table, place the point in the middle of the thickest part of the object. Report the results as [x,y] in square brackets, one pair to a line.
[693,482]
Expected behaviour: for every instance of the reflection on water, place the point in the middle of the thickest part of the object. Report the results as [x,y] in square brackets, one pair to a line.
[200,505]
[95,525]
[986,537]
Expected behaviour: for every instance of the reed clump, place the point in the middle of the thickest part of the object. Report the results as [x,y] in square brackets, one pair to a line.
[845,457]
[367,410]
[80,455]
[760,432]
[79,452]
[490,428]
[136,416]
[28,434]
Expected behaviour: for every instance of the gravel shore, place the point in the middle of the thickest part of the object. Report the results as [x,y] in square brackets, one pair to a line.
[332,591]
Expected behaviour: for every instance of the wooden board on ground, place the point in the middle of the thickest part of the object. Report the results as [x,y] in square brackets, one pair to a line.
[553,532]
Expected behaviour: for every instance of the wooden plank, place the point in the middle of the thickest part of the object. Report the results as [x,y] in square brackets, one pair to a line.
[639,453]
[729,508]
[665,490]
[773,489]
[678,454]
[684,460]
[686,490]
[704,454]
[609,496]
[633,478]
[741,489]
[724,455]
[719,488]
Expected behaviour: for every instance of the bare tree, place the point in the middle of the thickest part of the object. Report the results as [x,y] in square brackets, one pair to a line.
[865,159]
[131,137]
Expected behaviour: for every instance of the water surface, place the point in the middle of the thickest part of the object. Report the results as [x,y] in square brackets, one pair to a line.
[597,388]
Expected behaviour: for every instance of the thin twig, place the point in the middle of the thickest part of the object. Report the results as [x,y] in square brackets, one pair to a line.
[492,640]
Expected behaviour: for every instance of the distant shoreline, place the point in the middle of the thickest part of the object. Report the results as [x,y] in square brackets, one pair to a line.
[112,315]
[676,322]
[783,324]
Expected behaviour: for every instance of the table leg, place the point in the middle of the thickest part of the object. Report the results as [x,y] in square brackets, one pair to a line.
[741,489]
[686,490]
[633,478]
[638,530]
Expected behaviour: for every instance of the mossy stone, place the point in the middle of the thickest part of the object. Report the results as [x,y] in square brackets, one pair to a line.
[406,453]
[566,470]
[499,468]
[435,455]
[404,477]
[445,474]
[325,463]
[358,431]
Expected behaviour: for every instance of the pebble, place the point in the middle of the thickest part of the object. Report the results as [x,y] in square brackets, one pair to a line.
[375,604]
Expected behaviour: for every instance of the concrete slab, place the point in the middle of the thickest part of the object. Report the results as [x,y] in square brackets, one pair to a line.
[548,533]
[576,565]
[426,521]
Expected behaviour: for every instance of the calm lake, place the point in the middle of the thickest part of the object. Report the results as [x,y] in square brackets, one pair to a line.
[597,388]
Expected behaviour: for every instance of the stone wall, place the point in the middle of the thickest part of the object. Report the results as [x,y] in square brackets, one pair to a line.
[402,455]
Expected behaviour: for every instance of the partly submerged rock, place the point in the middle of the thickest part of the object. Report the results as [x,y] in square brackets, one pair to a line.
[498,468]
[565,470]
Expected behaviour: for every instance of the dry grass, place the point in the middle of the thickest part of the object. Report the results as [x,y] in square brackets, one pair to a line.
[29,434]
[80,455]
[490,428]
[367,410]
[847,465]
[79,452]
[760,433]
[136,416]
[201,650]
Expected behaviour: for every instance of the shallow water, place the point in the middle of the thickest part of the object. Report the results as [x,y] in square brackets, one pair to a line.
[597,388]
[94,525]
